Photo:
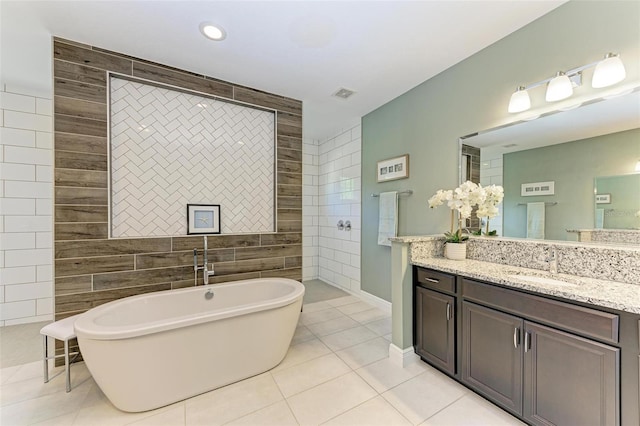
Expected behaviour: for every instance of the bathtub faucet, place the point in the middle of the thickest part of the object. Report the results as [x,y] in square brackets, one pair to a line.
[206,273]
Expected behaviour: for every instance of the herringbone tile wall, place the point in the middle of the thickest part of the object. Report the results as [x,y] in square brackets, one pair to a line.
[170,148]
[91,268]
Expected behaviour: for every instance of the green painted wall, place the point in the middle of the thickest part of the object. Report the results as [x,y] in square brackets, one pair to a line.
[427,121]
[625,199]
[573,166]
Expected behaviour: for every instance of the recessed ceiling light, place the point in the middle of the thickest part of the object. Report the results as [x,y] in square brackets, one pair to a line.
[213,31]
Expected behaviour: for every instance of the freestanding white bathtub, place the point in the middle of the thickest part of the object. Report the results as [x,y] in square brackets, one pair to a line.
[154,349]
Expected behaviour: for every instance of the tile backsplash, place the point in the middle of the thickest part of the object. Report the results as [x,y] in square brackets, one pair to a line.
[600,261]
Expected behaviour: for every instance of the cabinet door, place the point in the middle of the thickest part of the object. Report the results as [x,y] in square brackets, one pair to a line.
[569,380]
[492,355]
[435,328]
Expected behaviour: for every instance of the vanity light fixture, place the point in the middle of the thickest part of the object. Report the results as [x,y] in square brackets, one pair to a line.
[212,31]
[608,72]
[559,88]
[638,166]
[520,100]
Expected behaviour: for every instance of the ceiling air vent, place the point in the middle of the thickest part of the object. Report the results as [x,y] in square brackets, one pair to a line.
[343,93]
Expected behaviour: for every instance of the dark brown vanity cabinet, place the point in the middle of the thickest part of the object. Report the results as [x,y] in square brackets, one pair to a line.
[435,330]
[435,319]
[547,376]
[492,358]
[569,380]
[547,361]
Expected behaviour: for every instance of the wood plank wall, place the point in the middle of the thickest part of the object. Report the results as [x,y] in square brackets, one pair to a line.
[473,174]
[91,269]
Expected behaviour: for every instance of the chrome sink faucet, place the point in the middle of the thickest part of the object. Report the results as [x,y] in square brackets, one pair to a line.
[552,260]
[206,273]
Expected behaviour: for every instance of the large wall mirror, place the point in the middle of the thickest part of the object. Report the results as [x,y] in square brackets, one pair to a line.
[578,167]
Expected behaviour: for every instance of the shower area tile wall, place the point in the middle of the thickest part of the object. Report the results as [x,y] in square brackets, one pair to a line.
[339,194]
[310,206]
[90,268]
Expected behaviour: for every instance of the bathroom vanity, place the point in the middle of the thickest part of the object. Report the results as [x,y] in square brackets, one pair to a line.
[544,360]
[550,349]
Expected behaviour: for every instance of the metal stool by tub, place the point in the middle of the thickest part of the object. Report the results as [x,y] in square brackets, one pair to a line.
[60,330]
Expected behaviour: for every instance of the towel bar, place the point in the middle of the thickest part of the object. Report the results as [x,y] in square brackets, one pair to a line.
[408,192]
[547,203]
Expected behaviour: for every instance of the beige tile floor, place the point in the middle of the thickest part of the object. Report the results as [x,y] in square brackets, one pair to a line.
[336,372]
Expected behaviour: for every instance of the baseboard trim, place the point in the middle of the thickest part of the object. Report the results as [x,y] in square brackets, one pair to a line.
[379,303]
[376,301]
[402,357]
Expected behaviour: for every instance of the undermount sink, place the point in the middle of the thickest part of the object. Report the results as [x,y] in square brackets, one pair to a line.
[542,280]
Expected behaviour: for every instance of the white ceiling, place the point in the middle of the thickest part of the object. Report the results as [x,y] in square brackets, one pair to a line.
[300,49]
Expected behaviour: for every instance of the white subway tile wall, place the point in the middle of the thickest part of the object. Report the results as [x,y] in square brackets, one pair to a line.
[159,167]
[491,174]
[26,208]
[310,204]
[339,199]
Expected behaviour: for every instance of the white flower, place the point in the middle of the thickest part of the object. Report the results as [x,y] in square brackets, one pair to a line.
[439,198]
[488,199]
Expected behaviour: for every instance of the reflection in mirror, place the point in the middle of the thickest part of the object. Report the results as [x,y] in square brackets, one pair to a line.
[617,201]
[548,167]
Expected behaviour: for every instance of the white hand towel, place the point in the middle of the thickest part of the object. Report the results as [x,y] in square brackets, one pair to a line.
[535,220]
[388,220]
[599,218]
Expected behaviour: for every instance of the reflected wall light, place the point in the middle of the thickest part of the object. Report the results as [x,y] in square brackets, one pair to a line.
[608,72]
[638,166]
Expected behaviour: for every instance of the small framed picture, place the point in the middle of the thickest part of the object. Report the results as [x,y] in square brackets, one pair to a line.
[203,219]
[603,199]
[537,188]
[393,168]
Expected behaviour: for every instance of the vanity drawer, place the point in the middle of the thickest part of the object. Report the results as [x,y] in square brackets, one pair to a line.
[437,280]
[581,320]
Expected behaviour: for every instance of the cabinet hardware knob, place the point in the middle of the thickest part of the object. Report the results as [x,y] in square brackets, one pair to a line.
[448,312]
[516,337]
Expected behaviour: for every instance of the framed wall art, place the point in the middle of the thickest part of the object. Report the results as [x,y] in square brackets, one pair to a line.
[203,219]
[537,188]
[393,168]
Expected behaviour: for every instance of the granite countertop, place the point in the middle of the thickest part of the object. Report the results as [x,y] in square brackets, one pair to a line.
[608,294]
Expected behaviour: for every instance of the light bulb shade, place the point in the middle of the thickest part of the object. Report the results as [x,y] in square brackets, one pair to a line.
[608,72]
[559,88]
[520,100]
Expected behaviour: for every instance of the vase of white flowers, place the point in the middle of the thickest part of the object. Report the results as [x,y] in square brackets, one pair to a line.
[462,200]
